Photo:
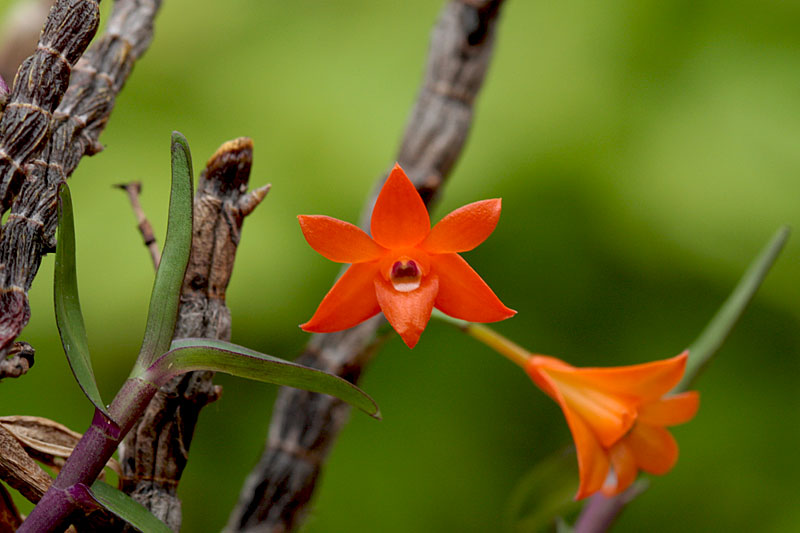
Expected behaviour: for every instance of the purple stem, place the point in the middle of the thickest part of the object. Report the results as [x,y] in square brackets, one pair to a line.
[600,512]
[68,492]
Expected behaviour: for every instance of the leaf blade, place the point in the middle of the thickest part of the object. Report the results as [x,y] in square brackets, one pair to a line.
[187,355]
[126,508]
[69,318]
[165,298]
[716,331]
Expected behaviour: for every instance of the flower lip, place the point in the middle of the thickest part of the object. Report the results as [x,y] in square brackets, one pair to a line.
[405,275]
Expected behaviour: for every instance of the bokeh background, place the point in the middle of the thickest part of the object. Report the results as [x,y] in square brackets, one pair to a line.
[644,150]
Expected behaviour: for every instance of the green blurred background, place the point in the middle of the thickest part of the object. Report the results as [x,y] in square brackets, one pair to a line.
[644,151]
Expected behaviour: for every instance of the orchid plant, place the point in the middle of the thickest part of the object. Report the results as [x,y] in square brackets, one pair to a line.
[406,270]
[617,415]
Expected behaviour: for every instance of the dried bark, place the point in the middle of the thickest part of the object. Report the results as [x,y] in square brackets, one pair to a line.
[69,133]
[18,360]
[39,85]
[304,425]
[41,82]
[155,452]
[19,470]
[20,33]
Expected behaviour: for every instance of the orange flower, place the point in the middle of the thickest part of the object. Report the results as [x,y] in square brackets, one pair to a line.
[617,417]
[406,268]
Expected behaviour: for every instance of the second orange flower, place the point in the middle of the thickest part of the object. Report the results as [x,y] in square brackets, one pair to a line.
[406,268]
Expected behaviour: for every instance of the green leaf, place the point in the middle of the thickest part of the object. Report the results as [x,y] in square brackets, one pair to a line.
[544,494]
[126,508]
[165,299]
[187,355]
[706,345]
[69,318]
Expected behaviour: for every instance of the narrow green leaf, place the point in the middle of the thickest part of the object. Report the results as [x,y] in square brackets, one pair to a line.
[165,299]
[187,355]
[69,318]
[126,508]
[706,345]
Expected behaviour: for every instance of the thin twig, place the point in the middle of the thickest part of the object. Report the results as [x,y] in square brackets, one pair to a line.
[155,452]
[74,129]
[134,189]
[304,425]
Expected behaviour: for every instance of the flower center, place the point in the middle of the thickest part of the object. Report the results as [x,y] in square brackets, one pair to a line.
[405,275]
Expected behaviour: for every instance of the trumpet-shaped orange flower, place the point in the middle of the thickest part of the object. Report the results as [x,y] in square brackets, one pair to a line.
[406,268]
[618,417]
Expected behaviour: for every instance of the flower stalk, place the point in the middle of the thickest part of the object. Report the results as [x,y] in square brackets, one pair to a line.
[505,347]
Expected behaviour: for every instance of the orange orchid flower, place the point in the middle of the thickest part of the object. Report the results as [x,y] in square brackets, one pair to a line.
[406,268]
[618,417]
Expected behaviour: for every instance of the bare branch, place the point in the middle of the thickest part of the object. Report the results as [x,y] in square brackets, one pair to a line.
[305,425]
[134,189]
[156,450]
[39,85]
[74,129]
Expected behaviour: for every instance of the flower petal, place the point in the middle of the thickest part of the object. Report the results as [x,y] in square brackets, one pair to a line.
[465,228]
[338,240]
[647,381]
[407,312]
[671,410]
[610,416]
[654,447]
[593,464]
[351,301]
[625,469]
[463,294]
[399,218]
[593,461]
